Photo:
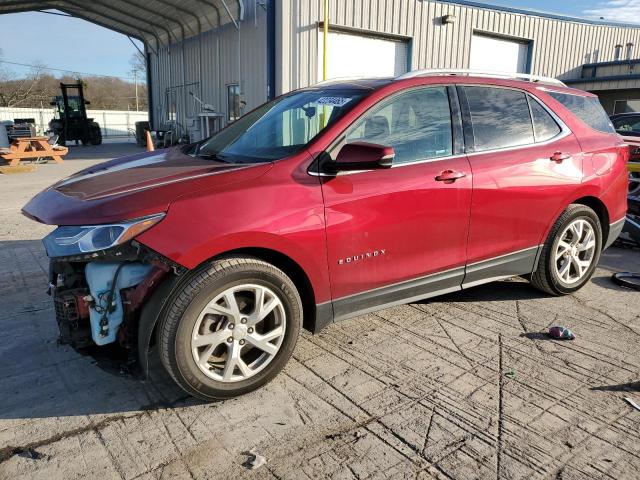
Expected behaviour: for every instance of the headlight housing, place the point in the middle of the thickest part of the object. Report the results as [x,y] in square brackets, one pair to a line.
[74,240]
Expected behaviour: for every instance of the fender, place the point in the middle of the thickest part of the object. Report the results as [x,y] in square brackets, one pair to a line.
[582,191]
[314,265]
[151,311]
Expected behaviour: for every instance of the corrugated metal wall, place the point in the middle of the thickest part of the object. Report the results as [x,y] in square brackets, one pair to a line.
[206,64]
[559,47]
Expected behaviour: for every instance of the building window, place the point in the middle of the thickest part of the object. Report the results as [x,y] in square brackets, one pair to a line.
[233,102]
[617,52]
[629,51]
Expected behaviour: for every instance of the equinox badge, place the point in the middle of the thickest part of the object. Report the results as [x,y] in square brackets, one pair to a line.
[362,256]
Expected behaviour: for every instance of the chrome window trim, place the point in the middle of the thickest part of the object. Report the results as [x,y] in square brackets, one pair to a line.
[361,116]
[565,131]
[555,118]
[558,137]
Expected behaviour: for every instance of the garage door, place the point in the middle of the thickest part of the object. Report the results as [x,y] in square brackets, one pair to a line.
[498,54]
[352,55]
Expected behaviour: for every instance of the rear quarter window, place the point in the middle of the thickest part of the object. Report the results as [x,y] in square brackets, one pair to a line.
[500,118]
[587,109]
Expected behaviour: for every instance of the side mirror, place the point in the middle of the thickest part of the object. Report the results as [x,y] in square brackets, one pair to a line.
[87,102]
[362,156]
[53,104]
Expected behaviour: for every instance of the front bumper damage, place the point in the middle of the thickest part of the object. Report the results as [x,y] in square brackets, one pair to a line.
[100,297]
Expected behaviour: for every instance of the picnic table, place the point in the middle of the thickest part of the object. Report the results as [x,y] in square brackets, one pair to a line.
[32,148]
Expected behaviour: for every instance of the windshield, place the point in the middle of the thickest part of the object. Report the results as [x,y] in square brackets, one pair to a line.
[281,127]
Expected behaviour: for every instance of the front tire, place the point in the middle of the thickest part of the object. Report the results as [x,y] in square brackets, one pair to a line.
[571,252]
[230,329]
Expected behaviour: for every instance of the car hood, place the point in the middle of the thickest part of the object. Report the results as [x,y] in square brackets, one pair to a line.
[132,187]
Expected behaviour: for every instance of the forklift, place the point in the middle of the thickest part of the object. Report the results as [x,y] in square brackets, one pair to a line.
[71,122]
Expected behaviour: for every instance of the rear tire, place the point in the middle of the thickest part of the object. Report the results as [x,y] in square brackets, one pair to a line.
[571,252]
[214,340]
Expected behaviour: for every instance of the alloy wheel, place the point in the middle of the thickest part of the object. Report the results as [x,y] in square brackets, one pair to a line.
[575,251]
[238,333]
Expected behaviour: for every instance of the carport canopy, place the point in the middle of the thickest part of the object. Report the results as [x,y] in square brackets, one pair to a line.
[154,22]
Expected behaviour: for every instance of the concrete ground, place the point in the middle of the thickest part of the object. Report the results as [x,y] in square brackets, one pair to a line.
[460,387]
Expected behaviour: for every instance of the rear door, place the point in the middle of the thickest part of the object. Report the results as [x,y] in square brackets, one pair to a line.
[392,232]
[525,162]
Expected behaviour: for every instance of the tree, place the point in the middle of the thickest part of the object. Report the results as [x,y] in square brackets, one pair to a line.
[138,64]
[27,91]
[105,93]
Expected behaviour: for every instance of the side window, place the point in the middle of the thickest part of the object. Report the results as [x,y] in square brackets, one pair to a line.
[587,109]
[417,124]
[627,125]
[500,117]
[544,126]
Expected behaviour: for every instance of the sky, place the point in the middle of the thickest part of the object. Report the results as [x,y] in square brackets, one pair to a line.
[63,42]
[77,45]
[612,10]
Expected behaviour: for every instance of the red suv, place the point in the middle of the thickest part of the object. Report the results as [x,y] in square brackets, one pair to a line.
[326,203]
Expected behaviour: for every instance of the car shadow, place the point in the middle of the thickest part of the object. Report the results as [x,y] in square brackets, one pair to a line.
[622,387]
[40,378]
[501,291]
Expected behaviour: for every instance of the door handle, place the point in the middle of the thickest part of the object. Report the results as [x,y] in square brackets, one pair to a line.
[450,176]
[559,157]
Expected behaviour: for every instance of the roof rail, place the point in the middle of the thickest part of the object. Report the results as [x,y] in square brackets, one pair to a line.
[481,73]
[345,79]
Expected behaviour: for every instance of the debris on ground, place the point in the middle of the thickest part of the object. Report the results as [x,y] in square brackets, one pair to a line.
[256,461]
[627,280]
[632,403]
[511,373]
[29,453]
[561,333]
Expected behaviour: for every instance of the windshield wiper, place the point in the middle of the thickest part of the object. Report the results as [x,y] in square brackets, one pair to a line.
[210,156]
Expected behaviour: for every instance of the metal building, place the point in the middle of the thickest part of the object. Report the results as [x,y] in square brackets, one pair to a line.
[235,54]
[277,46]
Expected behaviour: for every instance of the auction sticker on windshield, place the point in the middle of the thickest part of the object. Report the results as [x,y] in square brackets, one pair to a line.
[332,101]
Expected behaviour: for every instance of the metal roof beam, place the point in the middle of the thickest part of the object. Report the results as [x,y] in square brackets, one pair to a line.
[84,6]
[207,3]
[22,6]
[150,11]
[179,9]
[224,4]
[134,32]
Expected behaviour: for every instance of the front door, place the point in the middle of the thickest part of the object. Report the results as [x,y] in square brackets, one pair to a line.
[400,233]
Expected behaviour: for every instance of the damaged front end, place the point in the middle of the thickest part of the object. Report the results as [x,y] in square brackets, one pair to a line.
[100,279]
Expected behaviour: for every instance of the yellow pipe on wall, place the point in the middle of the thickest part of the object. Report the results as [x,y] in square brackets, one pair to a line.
[324,40]
[325,53]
